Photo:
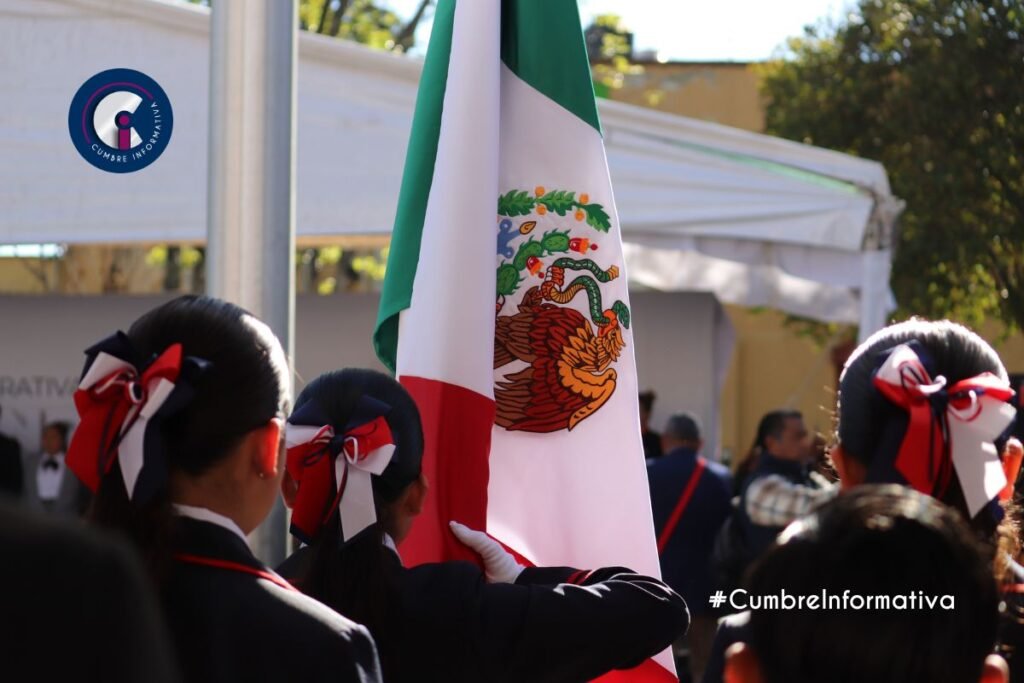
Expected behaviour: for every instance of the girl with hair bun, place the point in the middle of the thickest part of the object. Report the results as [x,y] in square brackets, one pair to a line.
[181,438]
[355,485]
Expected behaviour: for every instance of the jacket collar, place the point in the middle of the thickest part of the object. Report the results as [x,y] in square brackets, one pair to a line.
[212,541]
[683,452]
[770,463]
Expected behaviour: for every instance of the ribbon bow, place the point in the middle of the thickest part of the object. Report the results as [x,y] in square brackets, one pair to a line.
[119,404]
[334,470]
[948,424]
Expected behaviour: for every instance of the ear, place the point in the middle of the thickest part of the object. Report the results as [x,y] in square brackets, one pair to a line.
[267,453]
[416,496]
[741,665]
[289,489]
[996,670]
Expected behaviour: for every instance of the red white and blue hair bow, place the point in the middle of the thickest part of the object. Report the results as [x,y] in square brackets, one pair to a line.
[121,404]
[334,467]
[950,427]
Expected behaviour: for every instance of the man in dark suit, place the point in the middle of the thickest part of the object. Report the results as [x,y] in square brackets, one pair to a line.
[76,606]
[690,499]
[49,484]
[10,466]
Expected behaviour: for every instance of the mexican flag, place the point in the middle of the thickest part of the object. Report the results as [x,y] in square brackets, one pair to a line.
[505,311]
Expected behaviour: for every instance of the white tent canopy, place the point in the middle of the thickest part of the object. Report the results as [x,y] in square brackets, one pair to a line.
[754,219]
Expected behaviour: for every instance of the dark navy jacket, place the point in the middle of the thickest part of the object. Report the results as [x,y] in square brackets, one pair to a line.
[232,625]
[553,625]
[686,558]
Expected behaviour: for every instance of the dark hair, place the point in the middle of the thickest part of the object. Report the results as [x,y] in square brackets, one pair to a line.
[62,429]
[876,541]
[353,578]
[647,399]
[683,426]
[871,428]
[773,424]
[241,390]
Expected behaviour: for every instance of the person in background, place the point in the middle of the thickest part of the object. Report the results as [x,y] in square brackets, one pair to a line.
[76,605]
[651,438]
[879,541]
[11,477]
[355,449]
[781,486]
[690,498]
[49,484]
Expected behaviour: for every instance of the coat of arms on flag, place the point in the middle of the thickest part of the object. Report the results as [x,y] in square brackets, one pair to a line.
[557,361]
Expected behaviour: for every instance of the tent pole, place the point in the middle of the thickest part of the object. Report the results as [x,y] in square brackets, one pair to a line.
[250,258]
[876,267]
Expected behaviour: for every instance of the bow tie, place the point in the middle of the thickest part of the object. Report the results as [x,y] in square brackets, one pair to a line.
[50,464]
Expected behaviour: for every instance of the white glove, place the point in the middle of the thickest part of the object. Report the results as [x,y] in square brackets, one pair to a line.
[499,565]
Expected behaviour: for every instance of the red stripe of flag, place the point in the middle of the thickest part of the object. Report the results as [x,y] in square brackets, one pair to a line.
[457,443]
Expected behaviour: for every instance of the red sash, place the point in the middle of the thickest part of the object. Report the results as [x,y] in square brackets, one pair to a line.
[680,508]
[235,567]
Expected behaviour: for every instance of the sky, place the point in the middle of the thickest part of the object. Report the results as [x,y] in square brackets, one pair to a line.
[699,30]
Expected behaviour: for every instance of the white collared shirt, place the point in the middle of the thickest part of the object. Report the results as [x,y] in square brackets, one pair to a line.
[207,515]
[48,479]
[390,544]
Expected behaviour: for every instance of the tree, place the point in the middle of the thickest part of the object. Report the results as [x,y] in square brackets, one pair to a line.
[934,89]
[363,21]
[610,50]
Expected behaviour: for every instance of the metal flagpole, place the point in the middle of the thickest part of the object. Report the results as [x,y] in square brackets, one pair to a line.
[250,257]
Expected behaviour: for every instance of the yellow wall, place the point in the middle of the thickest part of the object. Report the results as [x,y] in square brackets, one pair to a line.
[773,367]
[1010,349]
[725,93]
[84,269]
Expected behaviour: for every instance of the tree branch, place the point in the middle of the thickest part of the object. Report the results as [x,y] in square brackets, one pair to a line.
[405,36]
[339,15]
[323,16]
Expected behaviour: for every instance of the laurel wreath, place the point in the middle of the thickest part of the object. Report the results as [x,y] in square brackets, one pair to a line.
[560,202]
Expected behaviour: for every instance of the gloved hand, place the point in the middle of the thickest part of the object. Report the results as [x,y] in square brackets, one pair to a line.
[499,565]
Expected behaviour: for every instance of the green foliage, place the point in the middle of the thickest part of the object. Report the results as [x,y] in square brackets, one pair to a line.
[614,59]
[364,21]
[823,335]
[934,89]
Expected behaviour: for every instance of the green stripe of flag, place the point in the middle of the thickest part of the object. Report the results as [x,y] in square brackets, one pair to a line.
[542,43]
[416,181]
